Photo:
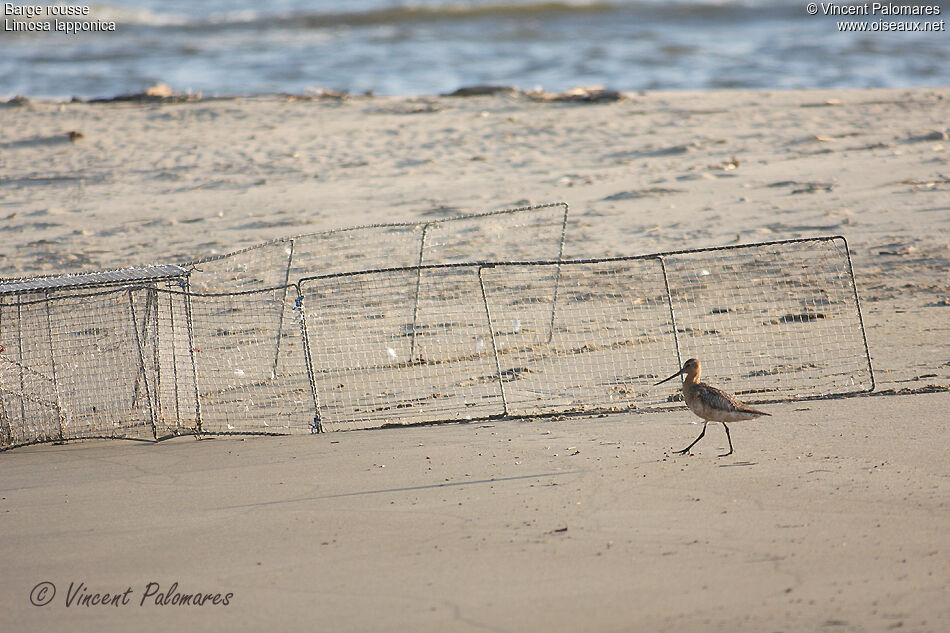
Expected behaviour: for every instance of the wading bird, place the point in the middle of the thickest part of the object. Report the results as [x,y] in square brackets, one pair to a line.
[711,404]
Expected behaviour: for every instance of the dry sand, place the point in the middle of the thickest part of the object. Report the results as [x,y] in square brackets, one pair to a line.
[831,515]
[173,182]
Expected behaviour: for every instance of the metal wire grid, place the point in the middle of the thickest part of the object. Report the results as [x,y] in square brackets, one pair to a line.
[125,363]
[175,370]
[531,232]
[71,283]
[773,321]
[29,409]
[381,357]
[251,369]
[612,335]
[261,266]
[779,322]
[69,377]
[528,233]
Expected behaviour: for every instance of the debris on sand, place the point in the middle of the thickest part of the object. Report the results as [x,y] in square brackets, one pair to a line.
[935,135]
[591,94]
[18,100]
[594,94]
[156,93]
[160,90]
[481,90]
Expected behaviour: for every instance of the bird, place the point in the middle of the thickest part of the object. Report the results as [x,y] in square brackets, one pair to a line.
[711,404]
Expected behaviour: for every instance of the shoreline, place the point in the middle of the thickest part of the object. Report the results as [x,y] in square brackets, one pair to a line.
[163,94]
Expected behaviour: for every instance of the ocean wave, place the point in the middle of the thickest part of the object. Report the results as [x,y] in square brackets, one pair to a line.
[128,16]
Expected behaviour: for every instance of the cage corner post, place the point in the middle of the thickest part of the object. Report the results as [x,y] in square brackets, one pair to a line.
[317,425]
[857,306]
[63,422]
[283,301]
[173,349]
[415,296]
[152,316]
[143,371]
[557,270]
[494,346]
[192,352]
[669,303]
[6,424]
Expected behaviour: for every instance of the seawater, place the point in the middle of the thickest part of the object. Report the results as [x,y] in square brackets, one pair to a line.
[239,47]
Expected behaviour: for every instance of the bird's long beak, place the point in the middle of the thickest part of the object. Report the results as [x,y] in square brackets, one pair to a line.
[680,372]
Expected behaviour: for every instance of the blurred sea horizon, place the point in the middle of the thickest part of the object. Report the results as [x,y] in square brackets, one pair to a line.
[391,47]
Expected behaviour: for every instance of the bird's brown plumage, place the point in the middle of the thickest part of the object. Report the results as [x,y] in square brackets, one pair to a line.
[710,403]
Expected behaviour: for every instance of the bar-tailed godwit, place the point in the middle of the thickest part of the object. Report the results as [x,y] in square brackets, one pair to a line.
[711,404]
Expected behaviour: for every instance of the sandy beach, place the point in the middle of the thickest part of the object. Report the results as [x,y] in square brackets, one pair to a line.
[830,516]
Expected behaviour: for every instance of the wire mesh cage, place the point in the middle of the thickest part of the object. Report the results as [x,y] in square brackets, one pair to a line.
[29,408]
[175,386]
[139,354]
[80,356]
[775,321]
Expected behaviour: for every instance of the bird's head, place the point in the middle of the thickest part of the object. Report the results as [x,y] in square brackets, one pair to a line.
[690,368]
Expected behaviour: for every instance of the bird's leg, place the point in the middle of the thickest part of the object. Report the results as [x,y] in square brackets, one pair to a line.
[728,437]
[701,434]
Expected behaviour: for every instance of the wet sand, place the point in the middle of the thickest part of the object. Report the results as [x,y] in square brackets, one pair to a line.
[830,516]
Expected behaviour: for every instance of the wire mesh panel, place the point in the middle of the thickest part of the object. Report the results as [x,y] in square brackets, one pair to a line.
[534,232]
[526,232]
[612,334]
[177,397]
[73,283]
[356,249]
[774,321]
[79,366]
[252,374]
[530,233]
[29,409]
[260,266]
[369,369]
